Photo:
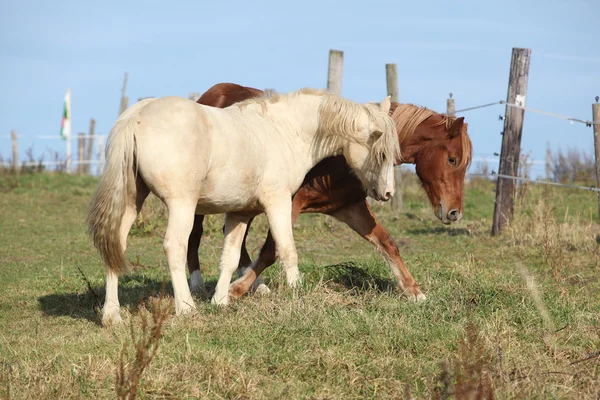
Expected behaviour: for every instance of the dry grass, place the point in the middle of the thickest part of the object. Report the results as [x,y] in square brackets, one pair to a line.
[145,343]
[500,331]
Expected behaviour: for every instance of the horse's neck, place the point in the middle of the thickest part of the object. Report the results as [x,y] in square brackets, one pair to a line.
[303,112]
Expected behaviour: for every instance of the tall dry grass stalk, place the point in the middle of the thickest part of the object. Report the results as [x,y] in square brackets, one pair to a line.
[145,344]
[469,375]
[5,381]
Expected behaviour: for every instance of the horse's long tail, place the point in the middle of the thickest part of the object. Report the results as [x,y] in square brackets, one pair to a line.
[115,190]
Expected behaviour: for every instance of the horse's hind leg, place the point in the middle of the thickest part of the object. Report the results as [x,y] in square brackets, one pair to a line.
[359,217]
[245,260]
[196,281]
[235,227]
[246,264]
[179,227]
[110,312]
[251,279]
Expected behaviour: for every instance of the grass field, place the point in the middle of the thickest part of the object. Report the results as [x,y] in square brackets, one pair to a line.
[517,316]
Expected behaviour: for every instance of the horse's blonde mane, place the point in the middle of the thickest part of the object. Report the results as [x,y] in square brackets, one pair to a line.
[408,117]
[338,120]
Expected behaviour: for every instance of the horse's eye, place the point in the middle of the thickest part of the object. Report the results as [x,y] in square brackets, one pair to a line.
[383,157]
[452,161]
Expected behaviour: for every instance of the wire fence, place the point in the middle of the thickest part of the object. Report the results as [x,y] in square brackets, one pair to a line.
[587,123]
[537,181]
[478,157]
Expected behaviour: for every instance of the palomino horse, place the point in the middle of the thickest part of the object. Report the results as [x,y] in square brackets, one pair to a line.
[242,161]
[439,146]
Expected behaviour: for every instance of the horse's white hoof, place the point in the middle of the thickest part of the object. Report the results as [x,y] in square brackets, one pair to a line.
[262,290]
[185,310]
[112,317]
[420,297]
[220,300]
[293,279]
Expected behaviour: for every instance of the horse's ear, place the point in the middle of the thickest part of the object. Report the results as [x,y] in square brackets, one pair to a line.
[456,127]
[386,104]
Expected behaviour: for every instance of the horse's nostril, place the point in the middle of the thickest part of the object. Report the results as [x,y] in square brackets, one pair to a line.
[453,215]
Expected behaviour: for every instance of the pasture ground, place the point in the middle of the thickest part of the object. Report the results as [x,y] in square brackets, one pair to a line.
[518,315]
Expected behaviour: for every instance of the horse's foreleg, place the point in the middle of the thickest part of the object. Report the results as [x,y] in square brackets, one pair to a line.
[235,227]
[179,227]
[360,218]
[266,258]
[193,261]
[280,226]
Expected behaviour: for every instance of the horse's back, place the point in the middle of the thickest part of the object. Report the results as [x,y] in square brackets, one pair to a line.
[187,149]
[224,95]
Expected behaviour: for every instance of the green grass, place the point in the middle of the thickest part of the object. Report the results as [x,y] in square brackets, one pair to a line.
[345,334]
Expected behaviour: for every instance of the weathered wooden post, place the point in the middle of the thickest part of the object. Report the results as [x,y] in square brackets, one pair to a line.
[511,138]
[15,151]
[391,77]
[334,75]
[100,154]
[124,99]
[90,147]
[596,125]
[81,152]
[548,161]
[450,110]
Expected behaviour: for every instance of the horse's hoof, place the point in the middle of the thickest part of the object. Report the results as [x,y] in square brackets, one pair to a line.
[262,290]
[220,300]
[416,297]
[294,281]
[112,318]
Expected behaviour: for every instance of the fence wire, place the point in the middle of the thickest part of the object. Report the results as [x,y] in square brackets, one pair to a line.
[587,123]
[537,181]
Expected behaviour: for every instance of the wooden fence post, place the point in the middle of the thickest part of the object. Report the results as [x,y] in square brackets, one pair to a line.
[81,153]
[450,110]
[334,75]
[511,138]
[391,78]
[15,151]
[548,161]
[596,119]
[124,99]
[100,154]
[90,147]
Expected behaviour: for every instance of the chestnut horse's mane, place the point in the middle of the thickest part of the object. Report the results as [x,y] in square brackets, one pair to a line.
[408,117]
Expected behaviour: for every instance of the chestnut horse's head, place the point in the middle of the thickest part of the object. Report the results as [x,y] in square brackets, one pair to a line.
[441,150]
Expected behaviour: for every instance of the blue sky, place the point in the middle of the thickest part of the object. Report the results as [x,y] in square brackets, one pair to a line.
[178,47]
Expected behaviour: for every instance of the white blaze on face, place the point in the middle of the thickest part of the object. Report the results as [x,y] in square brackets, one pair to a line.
[390,182]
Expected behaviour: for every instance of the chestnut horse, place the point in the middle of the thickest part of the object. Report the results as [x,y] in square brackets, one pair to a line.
[438,145]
